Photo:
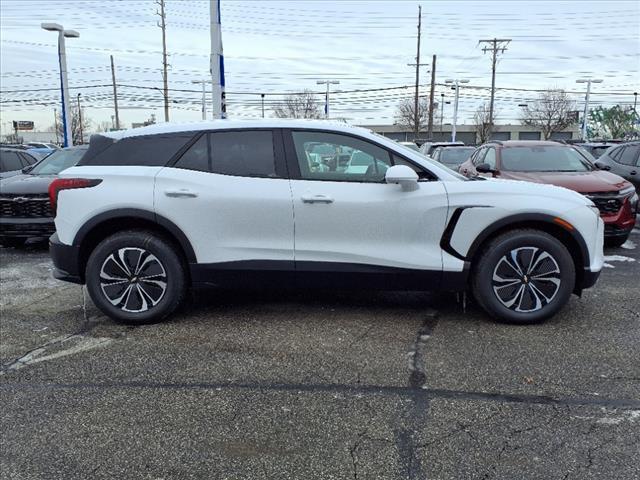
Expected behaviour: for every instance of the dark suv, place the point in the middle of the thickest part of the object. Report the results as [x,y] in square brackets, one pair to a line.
[624,160]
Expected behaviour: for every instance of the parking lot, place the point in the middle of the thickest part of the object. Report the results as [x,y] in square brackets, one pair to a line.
[318,384]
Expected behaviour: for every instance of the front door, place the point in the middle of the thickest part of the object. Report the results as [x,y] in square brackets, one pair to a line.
[348,220]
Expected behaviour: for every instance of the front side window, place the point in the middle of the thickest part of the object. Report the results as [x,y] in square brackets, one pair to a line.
[331,156]
[246,153]
[479,157]
[544,158]
[58,161]
[490,158]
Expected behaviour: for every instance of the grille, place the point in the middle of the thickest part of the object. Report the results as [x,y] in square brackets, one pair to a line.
[606,204]
[25,206]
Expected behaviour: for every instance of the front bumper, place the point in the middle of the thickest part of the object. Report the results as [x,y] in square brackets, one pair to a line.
[26,227]
[66,260]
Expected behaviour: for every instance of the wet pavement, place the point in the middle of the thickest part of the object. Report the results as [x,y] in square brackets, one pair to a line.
[317,385]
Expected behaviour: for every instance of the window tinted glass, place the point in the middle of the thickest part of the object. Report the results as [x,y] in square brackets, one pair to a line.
[27,159]
[148,150]
[197,157]
[628,156]
[247,153]
[345,158]
[544,159]
[243,153]
[615,154]
[9,161]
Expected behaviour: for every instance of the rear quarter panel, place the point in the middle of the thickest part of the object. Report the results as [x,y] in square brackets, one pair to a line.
[121,187]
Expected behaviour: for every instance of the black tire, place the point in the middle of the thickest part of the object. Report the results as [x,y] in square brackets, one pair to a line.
[13,242]
[156,273]
[615,242]
[535,294]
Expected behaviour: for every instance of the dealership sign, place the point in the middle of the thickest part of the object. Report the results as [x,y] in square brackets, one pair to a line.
[22,125]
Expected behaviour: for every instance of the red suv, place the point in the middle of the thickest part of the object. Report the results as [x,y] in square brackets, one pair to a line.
[562,165]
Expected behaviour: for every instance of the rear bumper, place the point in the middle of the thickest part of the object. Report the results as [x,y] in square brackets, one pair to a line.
[26,227]
[66,261]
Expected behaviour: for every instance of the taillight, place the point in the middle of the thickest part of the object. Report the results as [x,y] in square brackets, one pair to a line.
[67,184]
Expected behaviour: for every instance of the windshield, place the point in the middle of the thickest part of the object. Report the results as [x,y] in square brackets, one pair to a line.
[455,156]
[544,158]
[58,161]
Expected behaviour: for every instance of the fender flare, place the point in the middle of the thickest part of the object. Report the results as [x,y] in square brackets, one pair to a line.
[500,224]
[167,224]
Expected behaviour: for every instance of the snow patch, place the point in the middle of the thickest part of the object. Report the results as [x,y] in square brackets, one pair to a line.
[629,245]
[618,258]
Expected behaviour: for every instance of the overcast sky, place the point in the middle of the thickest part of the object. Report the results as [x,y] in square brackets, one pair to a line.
[275,47]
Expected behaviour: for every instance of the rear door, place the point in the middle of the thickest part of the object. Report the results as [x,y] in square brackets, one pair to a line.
[230,195]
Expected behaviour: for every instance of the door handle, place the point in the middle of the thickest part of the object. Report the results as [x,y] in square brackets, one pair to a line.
[180,193]
[309,198]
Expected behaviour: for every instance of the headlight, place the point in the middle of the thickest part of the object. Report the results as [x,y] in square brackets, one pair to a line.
[628,191]
[634,203]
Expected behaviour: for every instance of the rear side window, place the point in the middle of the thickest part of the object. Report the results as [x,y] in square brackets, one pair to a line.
[146,151]
[628,156]
[9,161]
[246,153]
[27,159]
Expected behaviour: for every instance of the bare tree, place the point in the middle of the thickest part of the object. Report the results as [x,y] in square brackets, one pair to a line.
[481,120]
[76,131]
[299,105]
[553,111]
[406,117]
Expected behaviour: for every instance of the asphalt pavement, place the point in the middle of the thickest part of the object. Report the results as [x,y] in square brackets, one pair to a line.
[317,385]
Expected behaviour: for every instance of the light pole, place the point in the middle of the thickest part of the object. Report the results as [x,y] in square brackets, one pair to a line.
[55,123]
[326,99]
[80,120]
[456,87]
[64,86]
[204,96]
[262,99]
[588,81]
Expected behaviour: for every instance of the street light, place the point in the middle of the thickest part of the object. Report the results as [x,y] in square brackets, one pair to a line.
[204,98]
[80,120]
[456,87]
[64,85]
[588,81]
[326,99]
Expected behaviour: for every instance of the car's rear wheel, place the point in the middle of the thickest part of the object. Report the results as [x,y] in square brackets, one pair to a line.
[136,277]
[523,276]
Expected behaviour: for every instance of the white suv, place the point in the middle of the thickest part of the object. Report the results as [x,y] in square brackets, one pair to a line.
[147,213]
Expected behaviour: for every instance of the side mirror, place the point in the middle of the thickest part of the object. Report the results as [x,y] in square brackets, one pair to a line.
[602,166]
[484,168]
[403,175]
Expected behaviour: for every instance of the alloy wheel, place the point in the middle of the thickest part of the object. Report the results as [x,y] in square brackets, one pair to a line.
[133,279]
[526,279]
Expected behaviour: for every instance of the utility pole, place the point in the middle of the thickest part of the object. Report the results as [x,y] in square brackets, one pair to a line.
[498,45]
[433,86]
[456,87]
[326,98]
[115,94]
[55,123]
[585,117]
[441,112]
[262,99]
[79,121]
[163,25]
[216,62]
[204,97]
[416,106]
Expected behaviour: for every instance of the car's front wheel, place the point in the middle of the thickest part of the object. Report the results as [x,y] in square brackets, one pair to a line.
[136,276]
[523,276]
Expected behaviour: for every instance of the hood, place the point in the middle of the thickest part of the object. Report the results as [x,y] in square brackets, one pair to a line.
[26,184]
[581,182]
